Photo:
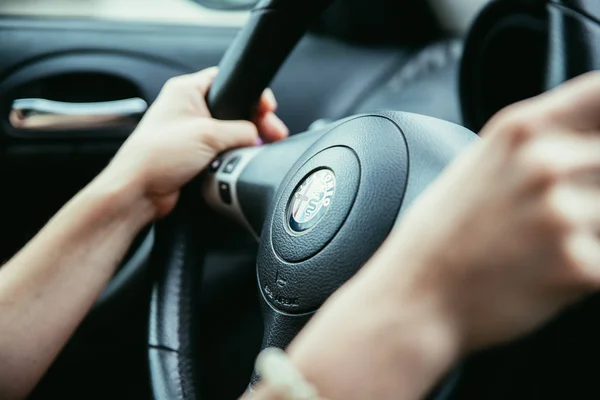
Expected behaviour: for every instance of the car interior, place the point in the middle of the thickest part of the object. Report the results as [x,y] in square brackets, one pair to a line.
[200,293]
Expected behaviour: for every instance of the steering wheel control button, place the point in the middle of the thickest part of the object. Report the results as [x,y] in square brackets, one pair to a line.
[311,200]
[231,164]
[214,165]
[225,192]
[315,204]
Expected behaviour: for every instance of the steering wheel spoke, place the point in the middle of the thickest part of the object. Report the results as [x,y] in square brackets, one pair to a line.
[279,330]
[321,203]
[336,206]
[241,183]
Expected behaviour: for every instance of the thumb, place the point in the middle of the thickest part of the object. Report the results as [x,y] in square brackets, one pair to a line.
[224,135]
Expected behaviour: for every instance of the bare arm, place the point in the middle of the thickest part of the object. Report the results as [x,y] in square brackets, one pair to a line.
[365,344]
[503,241]
[49,286]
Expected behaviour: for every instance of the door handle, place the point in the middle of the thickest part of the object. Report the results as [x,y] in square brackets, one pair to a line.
[48,115]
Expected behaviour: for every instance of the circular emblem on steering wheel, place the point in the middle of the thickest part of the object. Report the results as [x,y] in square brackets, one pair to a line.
[310,200]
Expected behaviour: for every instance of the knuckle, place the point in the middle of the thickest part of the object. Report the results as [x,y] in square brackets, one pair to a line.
[556,219]
[175,82]
[170,83]
[538,169]
[520,130]
[515,124]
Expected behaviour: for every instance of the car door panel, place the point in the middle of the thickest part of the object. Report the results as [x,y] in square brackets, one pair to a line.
[323,78]
[78,76]
[40,170]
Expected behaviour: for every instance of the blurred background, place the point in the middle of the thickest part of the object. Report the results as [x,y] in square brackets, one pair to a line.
[351,19]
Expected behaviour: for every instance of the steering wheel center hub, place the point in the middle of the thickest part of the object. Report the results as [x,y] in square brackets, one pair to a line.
[332,212]
[315,203]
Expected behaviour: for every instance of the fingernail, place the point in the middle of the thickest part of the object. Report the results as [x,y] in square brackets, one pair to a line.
[281,126]
[271,98]
[259,141]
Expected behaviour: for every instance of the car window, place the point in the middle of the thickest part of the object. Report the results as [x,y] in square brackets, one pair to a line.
[229,4]
[456,15]
[196,12]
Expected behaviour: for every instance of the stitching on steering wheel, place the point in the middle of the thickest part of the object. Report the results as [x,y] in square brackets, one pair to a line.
[184,311]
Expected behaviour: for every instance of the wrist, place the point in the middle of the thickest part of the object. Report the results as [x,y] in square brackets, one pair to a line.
[395,346]
[408,276]
[120,196]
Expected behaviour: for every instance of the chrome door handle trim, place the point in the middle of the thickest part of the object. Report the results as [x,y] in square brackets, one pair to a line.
[48,115]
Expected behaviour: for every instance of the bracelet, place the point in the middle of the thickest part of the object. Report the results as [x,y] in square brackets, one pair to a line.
[275,368]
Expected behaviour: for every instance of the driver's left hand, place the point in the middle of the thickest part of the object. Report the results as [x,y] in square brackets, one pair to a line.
[177,138]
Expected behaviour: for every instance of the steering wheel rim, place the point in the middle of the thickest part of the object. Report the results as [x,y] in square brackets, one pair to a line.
[554,39]
[384,166]
[380,161]
[178,252]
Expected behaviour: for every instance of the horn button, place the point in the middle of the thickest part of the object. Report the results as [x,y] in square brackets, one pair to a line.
[332,212]
[315,204]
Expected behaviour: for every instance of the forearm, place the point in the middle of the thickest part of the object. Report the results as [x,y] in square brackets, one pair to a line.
[368,342]
[48,287]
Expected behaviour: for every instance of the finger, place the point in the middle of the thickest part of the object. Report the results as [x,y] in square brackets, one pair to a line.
[577,205]
[267,102]
[575,103]
[202,80]
[224,135]
[565,154]
[271,128]
[583,252]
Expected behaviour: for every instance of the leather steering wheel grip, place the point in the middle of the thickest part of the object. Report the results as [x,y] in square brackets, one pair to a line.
[178,261]
[251,61]
[574,34]
[274,28]
[503,58]
[260,48]
[518,49]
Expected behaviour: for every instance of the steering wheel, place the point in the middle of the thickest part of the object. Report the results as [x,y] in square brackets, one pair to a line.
[319,203]
[518,49]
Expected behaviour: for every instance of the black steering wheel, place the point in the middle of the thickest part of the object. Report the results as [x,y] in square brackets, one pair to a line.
[518,49]
[320,203]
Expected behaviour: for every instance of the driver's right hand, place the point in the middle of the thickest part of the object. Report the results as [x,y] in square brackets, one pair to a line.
[500,243]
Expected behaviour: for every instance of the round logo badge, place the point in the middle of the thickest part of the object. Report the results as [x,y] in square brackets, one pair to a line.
[310,200]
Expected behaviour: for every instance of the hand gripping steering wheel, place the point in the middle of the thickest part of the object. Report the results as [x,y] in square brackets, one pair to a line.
[320,203]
